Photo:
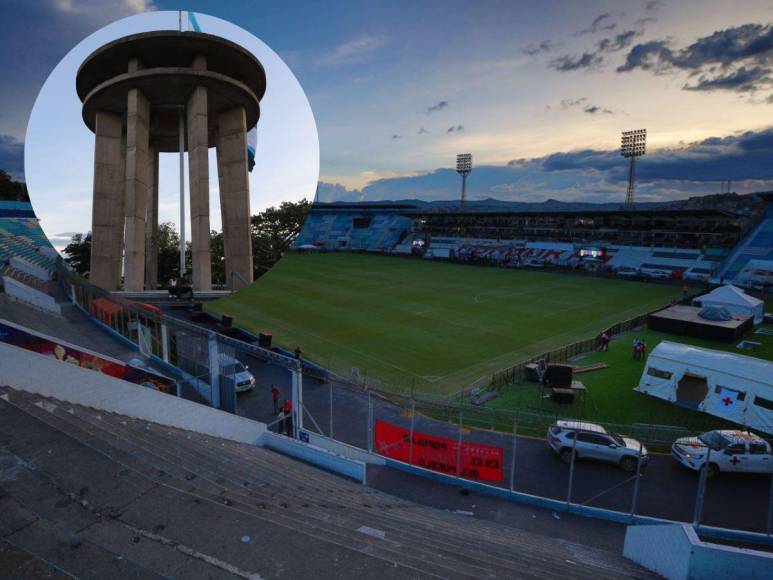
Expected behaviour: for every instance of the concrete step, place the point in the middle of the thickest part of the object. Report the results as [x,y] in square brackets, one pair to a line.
[332,520]
[452,521]
[205,529]
[242,477]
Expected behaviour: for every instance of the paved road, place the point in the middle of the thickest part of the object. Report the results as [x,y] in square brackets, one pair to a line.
[666,489]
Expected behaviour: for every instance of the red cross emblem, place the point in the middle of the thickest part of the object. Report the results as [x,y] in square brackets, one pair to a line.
[735,461]
[727,401]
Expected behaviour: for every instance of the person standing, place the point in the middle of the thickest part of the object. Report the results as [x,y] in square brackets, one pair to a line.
[288,411]
[636,348]
[275,398]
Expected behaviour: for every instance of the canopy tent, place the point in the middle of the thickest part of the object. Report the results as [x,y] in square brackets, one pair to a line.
[735,300]
[732,386]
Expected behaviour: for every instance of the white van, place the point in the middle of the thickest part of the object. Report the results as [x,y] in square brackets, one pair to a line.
[242,377]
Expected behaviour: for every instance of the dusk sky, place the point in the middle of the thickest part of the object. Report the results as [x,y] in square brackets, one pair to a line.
[537,92]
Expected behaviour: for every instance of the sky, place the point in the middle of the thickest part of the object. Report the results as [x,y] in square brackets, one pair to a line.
[537,92]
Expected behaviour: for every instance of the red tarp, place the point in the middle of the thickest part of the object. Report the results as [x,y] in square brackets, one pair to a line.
[481,462]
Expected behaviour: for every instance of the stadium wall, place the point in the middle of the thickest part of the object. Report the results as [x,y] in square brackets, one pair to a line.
[35,373]
[674,551]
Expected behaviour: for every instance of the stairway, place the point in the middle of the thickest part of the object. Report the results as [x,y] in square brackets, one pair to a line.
[90,493]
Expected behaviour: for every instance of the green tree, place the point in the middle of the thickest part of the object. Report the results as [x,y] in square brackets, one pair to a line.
[273,232]
[12,190]
[78,253]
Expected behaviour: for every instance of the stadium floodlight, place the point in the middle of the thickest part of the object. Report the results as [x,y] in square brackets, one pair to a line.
[463,168]
[633,144]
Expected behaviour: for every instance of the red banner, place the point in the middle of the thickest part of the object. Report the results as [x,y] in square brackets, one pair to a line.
[482,462]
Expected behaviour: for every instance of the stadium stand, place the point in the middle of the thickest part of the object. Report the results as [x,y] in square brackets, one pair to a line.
[758,245]
[691,239]
[92,493]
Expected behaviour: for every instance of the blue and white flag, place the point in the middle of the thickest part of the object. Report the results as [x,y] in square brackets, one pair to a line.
[252,136]
[252,145]
[193,23]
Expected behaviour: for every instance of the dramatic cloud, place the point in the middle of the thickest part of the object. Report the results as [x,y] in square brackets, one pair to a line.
[534,49]
[422,131]
[617,42]
[740,80]
[567,103]
[594,58]
[738,59]
[117,8]
[396,136]
[455,128]
[567,63]
[594,109]
[602,22]
[12,156]
[592,175]
[437,107]
[654,5]
[354,51]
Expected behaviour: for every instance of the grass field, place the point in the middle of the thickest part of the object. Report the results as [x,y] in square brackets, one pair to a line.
[611,397]
[434,326]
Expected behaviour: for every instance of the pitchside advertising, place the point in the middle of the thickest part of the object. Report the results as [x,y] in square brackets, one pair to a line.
[481,462]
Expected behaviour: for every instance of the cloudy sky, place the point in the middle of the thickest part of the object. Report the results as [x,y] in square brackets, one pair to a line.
[537,92]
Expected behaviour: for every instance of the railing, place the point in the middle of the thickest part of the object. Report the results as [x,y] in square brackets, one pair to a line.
[515,374]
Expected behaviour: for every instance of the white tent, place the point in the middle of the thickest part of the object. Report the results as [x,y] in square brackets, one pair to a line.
[732,386]
[735,300]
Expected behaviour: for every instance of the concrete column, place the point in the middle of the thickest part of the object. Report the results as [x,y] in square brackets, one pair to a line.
[107,207]
[137,143]
[151,223]
[198,171]
[234,194]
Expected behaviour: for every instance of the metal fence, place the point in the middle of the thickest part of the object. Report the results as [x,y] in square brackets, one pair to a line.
[516,374]
[203,362]
[509,451]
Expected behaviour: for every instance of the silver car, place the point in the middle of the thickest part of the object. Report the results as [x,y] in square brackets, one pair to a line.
[595,442]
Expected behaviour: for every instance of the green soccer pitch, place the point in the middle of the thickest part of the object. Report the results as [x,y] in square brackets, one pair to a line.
[433,326]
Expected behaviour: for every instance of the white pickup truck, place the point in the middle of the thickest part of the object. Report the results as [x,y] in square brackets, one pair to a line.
[726,450]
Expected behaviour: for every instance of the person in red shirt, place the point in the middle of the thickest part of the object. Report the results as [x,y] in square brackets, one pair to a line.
[275,398]
[288,410]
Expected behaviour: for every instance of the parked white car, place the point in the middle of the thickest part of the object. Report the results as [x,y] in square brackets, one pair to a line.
[725,450]
[595,442]
[696,276]
[627,272]
[656,273]
[230,367]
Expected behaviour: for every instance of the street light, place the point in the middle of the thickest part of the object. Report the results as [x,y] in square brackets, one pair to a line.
[633,144]
[463,168]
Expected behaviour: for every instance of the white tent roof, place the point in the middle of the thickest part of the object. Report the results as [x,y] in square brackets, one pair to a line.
[730,295]
[745,367]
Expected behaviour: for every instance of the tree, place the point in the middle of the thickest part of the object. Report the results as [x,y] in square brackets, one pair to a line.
[78,253]
[12,190]
[273,232]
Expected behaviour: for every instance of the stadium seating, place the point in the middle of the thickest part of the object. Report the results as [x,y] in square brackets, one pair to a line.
[22,236]
[370,231]
[97,494]
[758,245]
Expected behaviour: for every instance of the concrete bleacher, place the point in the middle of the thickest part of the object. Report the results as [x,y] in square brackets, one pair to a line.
[92,493]
[758,245]
[336,230]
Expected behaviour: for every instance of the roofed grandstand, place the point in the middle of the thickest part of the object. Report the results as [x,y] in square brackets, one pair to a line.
[690,239]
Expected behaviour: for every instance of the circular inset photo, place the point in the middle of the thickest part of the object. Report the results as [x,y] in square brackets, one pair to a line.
[156,143]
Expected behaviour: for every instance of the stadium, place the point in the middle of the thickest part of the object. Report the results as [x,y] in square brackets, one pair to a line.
[457,389]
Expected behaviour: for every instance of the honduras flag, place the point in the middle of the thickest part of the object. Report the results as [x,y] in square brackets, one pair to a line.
[194,24]
[252,136]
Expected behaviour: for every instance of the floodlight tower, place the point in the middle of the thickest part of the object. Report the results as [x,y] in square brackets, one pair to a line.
[463,168]
[633,144]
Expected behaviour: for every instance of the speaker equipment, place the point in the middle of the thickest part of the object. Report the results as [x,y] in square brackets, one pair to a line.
[264,340]
[227,320]
[558,376]
[532,372]
[562,396]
